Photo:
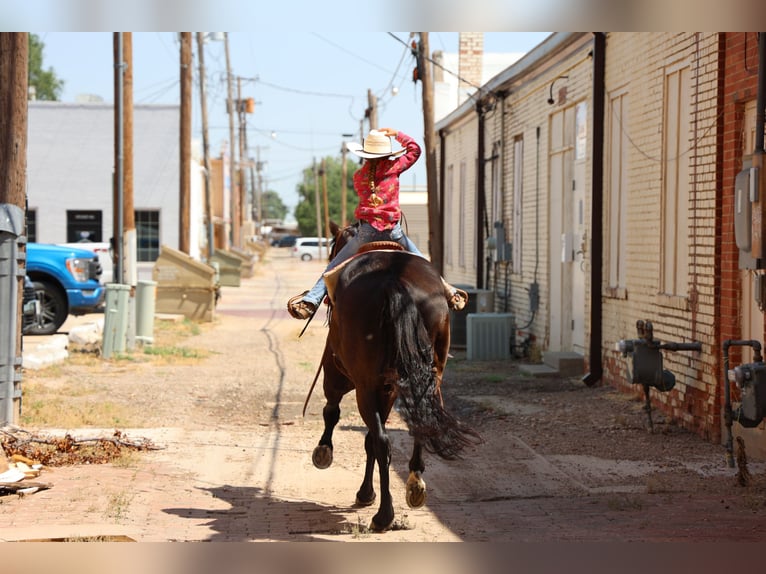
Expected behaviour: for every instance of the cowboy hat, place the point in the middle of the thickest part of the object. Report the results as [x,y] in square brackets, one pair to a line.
[376,145]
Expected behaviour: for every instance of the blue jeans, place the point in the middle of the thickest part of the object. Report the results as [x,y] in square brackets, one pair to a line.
[366,233]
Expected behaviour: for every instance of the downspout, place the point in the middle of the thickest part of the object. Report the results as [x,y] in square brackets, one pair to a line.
[597,201]
[481,203]
[442,194]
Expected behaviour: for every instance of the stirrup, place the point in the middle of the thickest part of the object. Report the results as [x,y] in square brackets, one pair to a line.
[300,309]
[457,299]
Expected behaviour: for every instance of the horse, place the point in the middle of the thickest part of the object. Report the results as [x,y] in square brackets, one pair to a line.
[388,341]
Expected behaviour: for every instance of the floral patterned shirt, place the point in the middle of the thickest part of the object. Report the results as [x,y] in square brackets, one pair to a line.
[379,191]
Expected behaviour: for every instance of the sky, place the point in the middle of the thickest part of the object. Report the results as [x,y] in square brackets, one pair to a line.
[310,88]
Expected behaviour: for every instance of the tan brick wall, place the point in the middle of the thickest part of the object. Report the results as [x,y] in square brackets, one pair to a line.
[636,63]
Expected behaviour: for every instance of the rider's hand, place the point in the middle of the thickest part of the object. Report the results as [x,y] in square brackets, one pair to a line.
[389,132]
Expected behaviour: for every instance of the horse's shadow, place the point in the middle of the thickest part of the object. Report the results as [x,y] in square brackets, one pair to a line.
[254,515]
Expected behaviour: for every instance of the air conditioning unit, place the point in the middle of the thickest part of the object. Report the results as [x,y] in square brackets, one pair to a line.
[489,336]
[479,301]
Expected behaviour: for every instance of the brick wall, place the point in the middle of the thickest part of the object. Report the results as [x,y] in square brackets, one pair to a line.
[739,87]
[637,64]
[471,55]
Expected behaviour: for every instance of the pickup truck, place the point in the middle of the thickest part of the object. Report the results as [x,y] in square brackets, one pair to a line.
[66,281]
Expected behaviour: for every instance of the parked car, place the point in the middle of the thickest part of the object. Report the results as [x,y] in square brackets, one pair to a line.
[286,241]
[307,248]
[66,281]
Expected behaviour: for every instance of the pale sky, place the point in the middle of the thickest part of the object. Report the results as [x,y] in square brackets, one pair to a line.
[310,88]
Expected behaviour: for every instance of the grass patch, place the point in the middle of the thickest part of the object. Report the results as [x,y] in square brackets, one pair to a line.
[174,351]
[41,408]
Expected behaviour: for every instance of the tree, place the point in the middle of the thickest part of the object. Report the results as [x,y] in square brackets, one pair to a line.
[305,211]
[47,86]
[272,205]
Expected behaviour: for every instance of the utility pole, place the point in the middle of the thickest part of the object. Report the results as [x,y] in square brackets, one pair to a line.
[372,110]
[118,206]
[434,209]
[316,200]
[14,67]
[128,211]
[242,155]
[234,194]
[326,203]
[343,192]
[205,146]
[184,203]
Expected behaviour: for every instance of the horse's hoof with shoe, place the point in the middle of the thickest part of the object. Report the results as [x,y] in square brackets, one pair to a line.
[415,493]
[322,456]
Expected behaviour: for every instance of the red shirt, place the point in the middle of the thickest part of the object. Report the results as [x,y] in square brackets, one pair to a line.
[386,183]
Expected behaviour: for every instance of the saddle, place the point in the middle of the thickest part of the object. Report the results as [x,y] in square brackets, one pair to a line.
[331,276]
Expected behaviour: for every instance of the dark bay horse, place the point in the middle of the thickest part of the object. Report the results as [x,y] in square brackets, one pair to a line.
[389,334]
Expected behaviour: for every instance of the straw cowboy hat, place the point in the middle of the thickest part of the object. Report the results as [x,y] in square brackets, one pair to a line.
[376,145]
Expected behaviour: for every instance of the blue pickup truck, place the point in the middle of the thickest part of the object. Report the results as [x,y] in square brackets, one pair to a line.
[66,281]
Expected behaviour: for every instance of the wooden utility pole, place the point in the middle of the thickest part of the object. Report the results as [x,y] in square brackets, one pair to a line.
[318,212]
[128,211]
[205,146]
[343,192]
[372,110]
[434,209]
[14,70]
[234,194]
[326,203]
[242,155]
[184,202]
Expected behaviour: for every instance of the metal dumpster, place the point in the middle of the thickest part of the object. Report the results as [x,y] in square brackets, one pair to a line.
[185,286]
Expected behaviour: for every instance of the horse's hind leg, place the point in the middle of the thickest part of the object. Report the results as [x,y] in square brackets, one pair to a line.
[415,490]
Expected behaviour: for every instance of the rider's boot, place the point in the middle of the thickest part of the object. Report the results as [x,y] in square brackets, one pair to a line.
[456,298]
[300,309]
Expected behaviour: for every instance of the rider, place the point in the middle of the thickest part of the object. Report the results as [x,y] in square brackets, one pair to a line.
[377,185]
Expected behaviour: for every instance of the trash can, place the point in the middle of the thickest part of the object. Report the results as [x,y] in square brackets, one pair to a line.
[115,319]
[230,268]
[184,286]
[247,262]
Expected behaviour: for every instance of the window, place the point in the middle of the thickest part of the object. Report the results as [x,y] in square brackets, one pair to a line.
[617,194]
[83,226]
[674,276]
[32,225]
[147,235]
[518,173]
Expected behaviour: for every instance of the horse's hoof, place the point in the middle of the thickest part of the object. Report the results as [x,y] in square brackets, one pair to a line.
[360,501]
[415,491]
[322,457]
[377,524]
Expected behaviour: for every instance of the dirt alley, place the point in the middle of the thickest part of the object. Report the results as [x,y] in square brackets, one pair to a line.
[559,462]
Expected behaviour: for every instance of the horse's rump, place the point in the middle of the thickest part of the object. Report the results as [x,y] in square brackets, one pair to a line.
[389,314]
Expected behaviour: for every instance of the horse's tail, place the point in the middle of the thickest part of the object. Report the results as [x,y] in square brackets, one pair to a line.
[419,402]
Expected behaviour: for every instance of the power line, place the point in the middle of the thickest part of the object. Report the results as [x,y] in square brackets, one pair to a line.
[353,54]
[438,64]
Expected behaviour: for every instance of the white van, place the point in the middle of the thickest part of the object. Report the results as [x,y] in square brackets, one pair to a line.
[307,248]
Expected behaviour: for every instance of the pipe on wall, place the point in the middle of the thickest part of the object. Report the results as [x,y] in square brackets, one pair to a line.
[597,200]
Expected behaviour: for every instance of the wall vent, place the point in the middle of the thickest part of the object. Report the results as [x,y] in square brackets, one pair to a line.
[489,336]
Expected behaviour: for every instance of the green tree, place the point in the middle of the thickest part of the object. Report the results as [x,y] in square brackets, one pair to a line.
[47,85]
[305,211]
[272,205]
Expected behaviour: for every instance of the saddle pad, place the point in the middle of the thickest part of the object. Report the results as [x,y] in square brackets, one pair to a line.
[331,277]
